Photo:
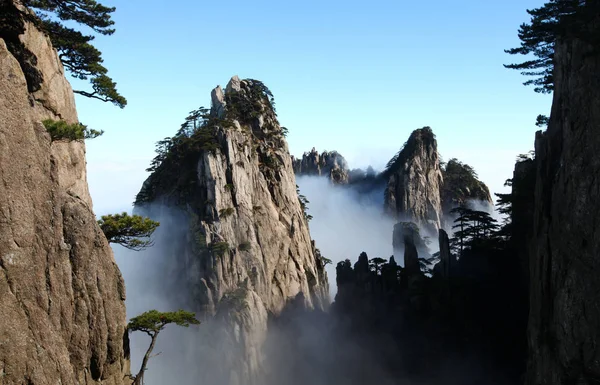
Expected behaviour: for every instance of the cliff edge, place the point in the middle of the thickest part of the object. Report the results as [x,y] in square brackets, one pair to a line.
[62,311]
[564,318]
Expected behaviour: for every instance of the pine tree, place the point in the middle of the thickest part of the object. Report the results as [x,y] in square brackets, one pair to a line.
[130,231]
[153,322]
[553,20]
[473,229]
[78,55]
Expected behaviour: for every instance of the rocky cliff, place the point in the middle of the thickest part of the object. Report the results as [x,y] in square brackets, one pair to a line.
[415,181]
[62,312]
[564,320]
[246,250]
[328,163]
[423,190]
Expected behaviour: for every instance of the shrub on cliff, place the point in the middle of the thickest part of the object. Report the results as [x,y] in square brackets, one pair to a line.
[128,230]
[61,130]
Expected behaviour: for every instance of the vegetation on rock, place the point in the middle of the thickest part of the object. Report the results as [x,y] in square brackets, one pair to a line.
[550,22]
[219,248]
[130,231]
[473,229]
[181,152]
[61,130]
[77,53]
[247,107]
[303,204]
[427,137]
[81,58]
[461,184]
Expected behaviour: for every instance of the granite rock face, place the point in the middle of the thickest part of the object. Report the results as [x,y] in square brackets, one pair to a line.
[564,318]
[246,251]
[62,311]
[422,190]
[328,163]
[415,181]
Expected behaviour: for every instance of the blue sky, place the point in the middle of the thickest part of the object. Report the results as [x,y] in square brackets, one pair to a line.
[356,77]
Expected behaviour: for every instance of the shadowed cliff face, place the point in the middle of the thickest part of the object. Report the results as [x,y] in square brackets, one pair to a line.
[61,294]
[564,322]
[461,186]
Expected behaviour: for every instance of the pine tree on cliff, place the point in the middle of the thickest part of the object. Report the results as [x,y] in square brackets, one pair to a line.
[153,322]
[78,55]
[130,231]
[553,20]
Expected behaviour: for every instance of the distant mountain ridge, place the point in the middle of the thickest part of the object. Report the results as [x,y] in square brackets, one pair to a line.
[417,186]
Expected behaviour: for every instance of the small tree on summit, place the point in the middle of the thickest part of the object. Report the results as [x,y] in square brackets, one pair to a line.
[151,323]
[128,230]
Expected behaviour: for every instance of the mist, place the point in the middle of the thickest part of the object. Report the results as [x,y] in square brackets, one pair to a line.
[152,281]
[345,222]
[302,346]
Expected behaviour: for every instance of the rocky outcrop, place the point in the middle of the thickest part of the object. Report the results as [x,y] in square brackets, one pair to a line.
[405,238]
[447,259]
[329,163]
[521,214]
[461,185]
[564,318]
[420,190]
[62,312]
[415,181]
[246,250]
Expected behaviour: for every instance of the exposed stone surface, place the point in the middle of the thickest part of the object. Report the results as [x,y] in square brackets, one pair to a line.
[415,181]
[247,228]
[234,84]
[62,312]
[218,101]
[328,163]
[564,321]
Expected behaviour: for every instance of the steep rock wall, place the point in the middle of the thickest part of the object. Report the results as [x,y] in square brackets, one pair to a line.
[564,320]
[415,180]
[246,250]
[62,312]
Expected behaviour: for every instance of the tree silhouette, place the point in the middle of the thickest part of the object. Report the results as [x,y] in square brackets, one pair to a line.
[473,228]
[151,323]
[375,265]
[553,20]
